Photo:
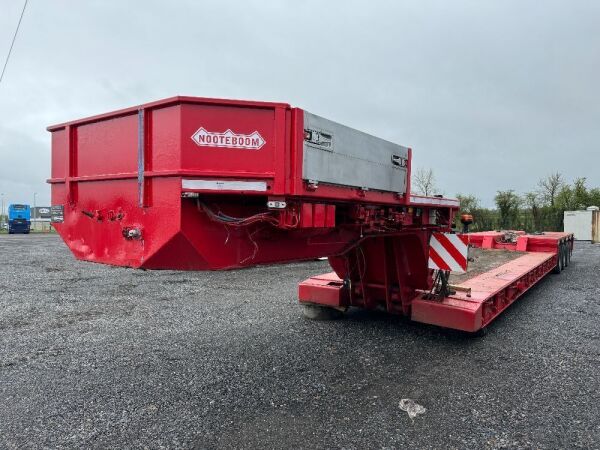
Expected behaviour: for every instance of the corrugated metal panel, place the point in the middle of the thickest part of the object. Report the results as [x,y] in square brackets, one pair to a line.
[337,154]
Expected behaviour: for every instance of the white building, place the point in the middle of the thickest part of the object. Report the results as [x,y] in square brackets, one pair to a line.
[585,225]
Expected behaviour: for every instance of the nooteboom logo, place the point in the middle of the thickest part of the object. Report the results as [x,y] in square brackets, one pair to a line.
[228,139]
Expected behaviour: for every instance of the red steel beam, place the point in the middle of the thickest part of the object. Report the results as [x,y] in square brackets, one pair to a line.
[491,293]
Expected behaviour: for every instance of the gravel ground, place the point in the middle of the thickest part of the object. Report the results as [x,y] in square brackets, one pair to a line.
[104,357]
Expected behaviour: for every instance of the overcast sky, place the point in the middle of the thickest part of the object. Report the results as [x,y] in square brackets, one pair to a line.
[491,95]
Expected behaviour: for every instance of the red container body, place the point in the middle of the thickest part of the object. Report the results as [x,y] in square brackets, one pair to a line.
[136,189]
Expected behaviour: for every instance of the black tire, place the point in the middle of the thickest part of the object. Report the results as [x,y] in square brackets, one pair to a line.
[480,333]
[565,254]
[559,260]
[316,312]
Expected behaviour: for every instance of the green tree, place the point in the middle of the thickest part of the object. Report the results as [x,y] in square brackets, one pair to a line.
[575,197]
[594,197]
[508,204]
[532,201]
[580,193]
[565,199]
[550,187]
[484,219]
[468,203]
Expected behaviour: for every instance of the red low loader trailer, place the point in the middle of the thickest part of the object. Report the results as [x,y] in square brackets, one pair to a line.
[191,183]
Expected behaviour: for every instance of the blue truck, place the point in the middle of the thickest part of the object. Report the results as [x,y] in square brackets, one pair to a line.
[19,219]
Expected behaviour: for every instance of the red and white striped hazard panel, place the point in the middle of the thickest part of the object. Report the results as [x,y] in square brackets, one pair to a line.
[448,252]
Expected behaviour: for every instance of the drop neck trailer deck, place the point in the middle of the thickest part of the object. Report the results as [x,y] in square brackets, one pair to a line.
[498,274]
[193,183]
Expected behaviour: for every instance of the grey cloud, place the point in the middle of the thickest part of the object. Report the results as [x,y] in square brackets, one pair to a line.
[491,95]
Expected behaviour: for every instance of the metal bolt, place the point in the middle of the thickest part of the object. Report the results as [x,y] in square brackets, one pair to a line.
[134,233]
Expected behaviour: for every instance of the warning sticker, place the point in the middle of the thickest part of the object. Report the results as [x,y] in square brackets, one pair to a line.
[57,214]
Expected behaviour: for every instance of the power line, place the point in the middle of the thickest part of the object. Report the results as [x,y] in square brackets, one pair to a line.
[13,41]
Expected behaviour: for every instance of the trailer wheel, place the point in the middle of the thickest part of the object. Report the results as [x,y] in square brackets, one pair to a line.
[559,260]
[316,312]
[480,333]
[561,256]
[565,254]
